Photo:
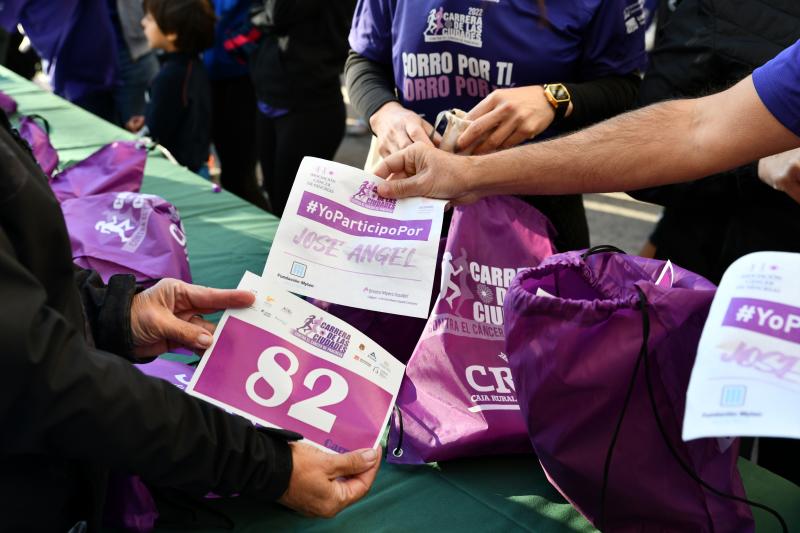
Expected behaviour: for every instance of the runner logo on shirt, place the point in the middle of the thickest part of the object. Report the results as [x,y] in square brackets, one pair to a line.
[636,16]
[464,28]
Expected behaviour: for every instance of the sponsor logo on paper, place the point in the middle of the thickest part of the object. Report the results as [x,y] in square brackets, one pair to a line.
[733,395]
[367,196]
[322,172]
[316,332]
[363,361]
[465,28]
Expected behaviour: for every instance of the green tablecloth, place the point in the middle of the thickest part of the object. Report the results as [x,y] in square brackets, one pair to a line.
[226,237]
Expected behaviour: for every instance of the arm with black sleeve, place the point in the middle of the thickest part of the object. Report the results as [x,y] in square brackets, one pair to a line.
[597,100]
[107,309]
[370,84]
[61,397]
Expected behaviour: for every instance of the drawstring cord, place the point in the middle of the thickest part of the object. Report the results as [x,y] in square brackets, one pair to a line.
[398,450]
[643,356]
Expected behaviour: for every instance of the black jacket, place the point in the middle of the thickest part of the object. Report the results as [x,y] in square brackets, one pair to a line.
[704,47]
[302,53]
[179,112]
[69,410]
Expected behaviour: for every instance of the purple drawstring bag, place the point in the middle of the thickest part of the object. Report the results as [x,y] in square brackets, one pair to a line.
[7,104]
[599,345]
[38,138]
[457,398]
[116,167]
[175,372]
[126,232]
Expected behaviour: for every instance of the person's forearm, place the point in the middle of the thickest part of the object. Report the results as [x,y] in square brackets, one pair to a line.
[107,310]
[627,152]
[369,84]
[669,142]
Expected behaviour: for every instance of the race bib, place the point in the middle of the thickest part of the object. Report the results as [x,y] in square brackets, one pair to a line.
[285,363]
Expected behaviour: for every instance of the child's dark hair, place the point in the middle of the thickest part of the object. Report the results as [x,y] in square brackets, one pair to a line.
[191,20]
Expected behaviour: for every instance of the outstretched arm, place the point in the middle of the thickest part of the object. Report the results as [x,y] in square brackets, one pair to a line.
[669,142]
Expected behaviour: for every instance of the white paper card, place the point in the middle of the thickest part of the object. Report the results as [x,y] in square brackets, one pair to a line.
[340,242]
[285,363]
[746,378]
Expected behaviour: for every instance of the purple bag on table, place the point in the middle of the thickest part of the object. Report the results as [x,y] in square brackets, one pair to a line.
[457,398]
[175,372]
[581,329]
[116,167]
[7,103]
[39,140]
[126,232]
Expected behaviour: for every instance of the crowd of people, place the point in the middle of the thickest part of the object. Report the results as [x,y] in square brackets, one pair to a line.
[562,99]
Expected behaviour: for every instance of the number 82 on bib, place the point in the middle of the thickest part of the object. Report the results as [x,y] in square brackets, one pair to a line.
[275,382]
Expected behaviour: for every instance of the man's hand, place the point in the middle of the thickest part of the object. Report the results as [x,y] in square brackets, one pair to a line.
[782,172]
[397,127]
[323,484]
[506,118]
[422,170]
[167,315]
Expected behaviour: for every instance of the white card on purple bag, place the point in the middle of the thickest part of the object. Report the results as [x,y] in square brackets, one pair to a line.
[746,377]
[286,363]
[340,242]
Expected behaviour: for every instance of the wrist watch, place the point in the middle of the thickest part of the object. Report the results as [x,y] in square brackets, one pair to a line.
[558,97]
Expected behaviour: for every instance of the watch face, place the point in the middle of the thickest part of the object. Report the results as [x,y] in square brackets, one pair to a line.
[559,92]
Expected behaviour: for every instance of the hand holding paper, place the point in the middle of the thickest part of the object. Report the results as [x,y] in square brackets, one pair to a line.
[285,363]
[166,316]
[323,484]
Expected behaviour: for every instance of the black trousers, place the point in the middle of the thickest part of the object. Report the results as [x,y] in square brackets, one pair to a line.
[233,132]
[284,141]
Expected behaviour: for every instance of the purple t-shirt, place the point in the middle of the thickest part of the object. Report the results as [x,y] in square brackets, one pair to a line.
[453,53]
[777,83]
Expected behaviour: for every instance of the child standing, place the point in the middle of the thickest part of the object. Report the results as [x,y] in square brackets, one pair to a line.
[178,115]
